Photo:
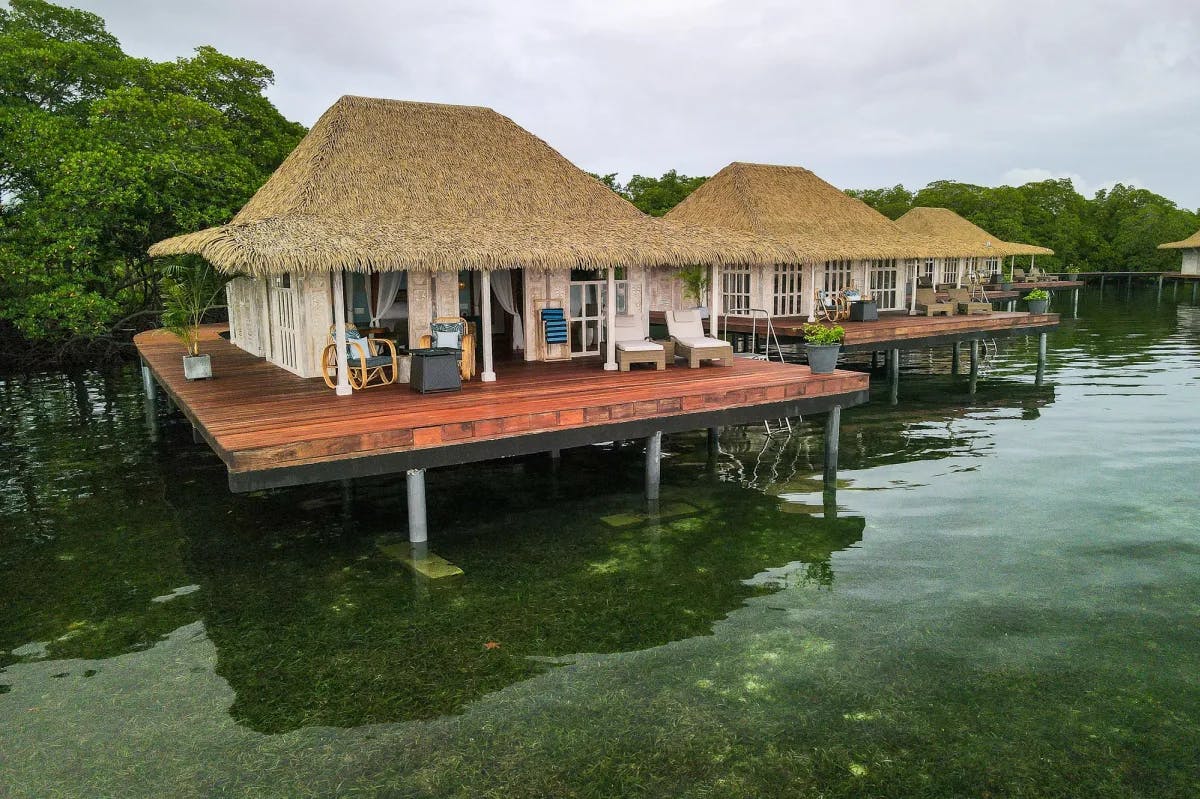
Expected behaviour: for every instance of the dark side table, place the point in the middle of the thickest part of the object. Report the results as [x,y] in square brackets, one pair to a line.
[435,369]
[864,311]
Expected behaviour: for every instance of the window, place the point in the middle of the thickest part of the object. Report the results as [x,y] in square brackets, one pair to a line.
[882,279]
[929,271]
[949,270]
[990,267]
[735,289]
[789,289]
[837,275]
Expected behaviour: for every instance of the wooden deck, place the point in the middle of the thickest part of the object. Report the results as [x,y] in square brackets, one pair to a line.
[898,330]
[1020,287]
[272,428]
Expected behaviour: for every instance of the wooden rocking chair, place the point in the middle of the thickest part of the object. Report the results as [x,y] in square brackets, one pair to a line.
[832,306]
[371,361]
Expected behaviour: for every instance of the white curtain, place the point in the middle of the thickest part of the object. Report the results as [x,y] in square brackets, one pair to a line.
[502,288]
[389,285]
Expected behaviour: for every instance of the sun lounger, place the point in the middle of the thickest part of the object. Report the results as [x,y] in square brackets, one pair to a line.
[687,331]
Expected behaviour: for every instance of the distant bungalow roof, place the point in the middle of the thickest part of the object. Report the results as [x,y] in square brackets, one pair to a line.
[380,185]
[1187,244]
[798,210]
[961,235]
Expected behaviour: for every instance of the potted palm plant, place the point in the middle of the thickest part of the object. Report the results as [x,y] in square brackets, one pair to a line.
[1038,300]
[823,344]
[190,290]
[695,284]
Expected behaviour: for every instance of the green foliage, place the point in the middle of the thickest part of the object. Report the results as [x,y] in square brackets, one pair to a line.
[695,282]
[823,335]
[653,196]
[1037,294]
[101,155]
[191,288]
[1116,231]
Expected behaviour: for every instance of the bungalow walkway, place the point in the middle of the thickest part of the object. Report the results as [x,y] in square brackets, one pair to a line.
[274,429]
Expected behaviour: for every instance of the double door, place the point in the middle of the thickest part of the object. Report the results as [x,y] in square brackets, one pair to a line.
[585,316]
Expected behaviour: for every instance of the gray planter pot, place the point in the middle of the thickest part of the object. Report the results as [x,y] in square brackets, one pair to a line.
[197,367]
[822,358]
[1038,306]
[1006,285]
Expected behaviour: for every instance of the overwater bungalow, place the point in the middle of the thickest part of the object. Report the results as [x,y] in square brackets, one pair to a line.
[1191,253]
[974,251]
[836,241]
[421,226]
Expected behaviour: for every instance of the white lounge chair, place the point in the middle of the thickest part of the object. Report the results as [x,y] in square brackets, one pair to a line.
[633,347]
[687,330]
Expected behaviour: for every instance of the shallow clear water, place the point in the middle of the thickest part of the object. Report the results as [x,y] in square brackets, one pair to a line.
[1006,602]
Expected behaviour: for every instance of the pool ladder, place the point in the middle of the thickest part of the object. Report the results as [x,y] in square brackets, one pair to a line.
[783,425]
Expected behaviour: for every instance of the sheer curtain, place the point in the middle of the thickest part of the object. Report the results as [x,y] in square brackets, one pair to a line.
[389,285]
[502,288]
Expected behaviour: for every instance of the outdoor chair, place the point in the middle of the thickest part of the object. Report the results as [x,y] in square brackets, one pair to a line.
[929,304]
[832,306]
[686,329]
[370,361]
[633,347]
[453,332]
[961,299]
[1036,273]
[1018,275]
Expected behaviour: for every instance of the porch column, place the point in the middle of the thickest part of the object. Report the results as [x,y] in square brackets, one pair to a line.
[812,292]
[339,333]
[912,298]
[715,291]
[488,375]
[958,274]
[610,321]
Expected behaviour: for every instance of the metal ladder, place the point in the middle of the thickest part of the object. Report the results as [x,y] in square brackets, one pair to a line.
[783,425]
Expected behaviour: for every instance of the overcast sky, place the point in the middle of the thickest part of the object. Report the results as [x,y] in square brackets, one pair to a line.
[866,94]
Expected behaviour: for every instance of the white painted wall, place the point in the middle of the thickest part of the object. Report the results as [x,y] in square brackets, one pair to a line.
[246,300]
[1191,262]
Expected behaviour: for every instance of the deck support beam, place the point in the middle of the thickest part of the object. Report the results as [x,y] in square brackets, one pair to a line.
[894,375]
[488,375]
[1041,362]
[150,400]
[610,321]
[954,364]
[1075,304]
[833,425]
[418,530]
[1158,298]
[339,333]
[653,464]
[974,364]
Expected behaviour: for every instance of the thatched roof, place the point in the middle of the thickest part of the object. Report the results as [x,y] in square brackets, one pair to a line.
[795,208]
[1187,244]
[384,185]
[962,235]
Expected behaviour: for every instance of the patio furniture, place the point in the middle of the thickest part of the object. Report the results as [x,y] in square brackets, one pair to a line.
[632,347]
[687,331]
[864,310]
[961,299]
[554,344]
[370,361]
[832,306]
[1018,275]
[435,369]
[929,304]
[452,332]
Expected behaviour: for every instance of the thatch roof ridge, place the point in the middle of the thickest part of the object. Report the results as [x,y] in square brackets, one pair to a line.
[1192,241]
[961,235]
[389,184]
[795,208]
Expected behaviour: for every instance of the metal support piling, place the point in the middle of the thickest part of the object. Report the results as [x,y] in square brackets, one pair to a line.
[653,464]
[894,375]
[1041,362]
[954,359]
[974,364]
[833,424]
[418,530]
[150,401]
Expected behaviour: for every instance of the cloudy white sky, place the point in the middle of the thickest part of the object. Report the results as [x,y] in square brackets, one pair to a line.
[866,93]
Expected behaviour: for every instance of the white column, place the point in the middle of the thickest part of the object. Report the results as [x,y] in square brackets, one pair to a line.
[812,291]
[488,375]
[912,298]
[958,275]
[610,320]
[715,291]
[339,333]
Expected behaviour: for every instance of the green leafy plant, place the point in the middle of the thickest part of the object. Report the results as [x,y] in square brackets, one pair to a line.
[1037,294]
[816,333]
[190,290]
[695,282]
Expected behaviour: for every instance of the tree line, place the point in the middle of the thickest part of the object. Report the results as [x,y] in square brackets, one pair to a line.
[103,154]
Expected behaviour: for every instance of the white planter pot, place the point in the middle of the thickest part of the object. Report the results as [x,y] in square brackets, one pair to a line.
[197,367]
